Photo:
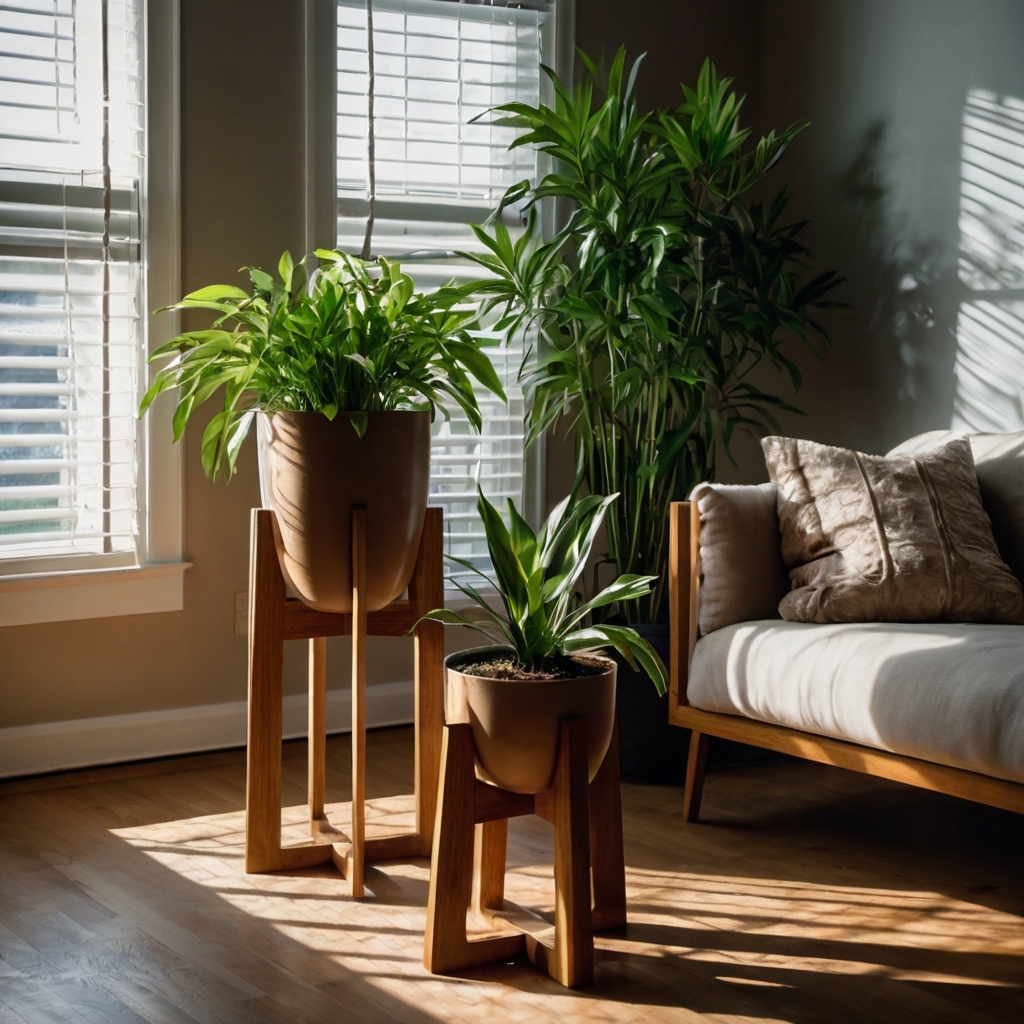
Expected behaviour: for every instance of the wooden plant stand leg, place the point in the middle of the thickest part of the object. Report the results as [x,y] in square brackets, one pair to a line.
[696,763]
[446,947]
[320,827]
[571,962]
[317,756]
[357,833]
[266,654]
[426,592]
[608,861]
[490,846]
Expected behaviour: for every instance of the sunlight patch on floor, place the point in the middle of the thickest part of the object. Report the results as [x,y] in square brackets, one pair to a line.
[765,932]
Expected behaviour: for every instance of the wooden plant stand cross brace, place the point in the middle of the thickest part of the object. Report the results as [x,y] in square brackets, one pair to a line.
[468,863]
[273,618]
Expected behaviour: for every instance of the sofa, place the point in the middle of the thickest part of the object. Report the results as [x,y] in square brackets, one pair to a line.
[936,705]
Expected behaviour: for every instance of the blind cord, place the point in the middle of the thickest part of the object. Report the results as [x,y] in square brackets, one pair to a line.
[68,336]
[105,57]
[371,138]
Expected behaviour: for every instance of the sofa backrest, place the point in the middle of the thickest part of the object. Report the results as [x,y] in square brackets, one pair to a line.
[999,463]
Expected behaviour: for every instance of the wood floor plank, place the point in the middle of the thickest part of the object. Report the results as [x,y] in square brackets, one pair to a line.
[145,1000]
[806,894]
[35,1003]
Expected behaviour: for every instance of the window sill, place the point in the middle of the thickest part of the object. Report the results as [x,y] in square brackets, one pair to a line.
[64,596]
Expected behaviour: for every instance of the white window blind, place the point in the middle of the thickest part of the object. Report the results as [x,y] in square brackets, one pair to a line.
[71,124]
[439,64]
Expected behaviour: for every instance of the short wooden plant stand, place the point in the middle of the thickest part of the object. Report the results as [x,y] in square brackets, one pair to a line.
[468,863]
[274,618]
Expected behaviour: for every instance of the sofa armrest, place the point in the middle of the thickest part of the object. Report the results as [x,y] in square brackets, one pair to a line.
[683,596]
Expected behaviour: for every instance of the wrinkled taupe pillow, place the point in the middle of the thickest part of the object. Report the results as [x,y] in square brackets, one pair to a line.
[999,465]
[742,575]
[904,538]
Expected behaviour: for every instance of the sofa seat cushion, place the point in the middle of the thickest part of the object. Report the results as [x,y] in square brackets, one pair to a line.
[951,693]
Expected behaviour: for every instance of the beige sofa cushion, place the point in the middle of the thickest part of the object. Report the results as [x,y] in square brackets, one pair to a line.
[875,539]
[742,573]
[943,692]
[999,464]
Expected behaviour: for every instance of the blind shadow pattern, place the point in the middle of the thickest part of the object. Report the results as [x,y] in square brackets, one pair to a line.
[989,364]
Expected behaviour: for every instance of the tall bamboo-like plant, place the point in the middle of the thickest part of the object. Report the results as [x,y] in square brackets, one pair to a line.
[654,303]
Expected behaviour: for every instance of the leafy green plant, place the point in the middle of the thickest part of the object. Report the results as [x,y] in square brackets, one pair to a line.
[536,575]
[658,298]
[355,338]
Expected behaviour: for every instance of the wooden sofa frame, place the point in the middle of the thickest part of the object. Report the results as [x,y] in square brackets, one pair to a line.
[684,592]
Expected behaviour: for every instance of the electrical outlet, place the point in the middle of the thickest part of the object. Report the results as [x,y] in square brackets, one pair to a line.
[241,612]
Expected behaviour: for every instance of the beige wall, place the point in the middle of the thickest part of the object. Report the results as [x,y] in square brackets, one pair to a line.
[676,35]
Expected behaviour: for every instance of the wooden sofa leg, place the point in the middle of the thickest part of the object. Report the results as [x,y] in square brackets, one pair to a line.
[696,762]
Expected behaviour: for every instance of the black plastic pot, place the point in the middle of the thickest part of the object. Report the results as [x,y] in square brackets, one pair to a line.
[650,750]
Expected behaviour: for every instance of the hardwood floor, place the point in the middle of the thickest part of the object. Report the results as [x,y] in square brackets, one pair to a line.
[806,894]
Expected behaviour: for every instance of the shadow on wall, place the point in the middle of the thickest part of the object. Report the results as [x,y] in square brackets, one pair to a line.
[989,367]
[908,278]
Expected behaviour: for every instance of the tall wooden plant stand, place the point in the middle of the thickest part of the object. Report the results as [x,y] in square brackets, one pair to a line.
[468,863]
[273,618]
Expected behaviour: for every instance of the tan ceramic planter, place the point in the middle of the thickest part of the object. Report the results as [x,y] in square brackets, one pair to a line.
[515,722]
[314,470]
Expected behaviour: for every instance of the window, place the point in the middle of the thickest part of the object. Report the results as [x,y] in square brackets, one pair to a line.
[438,65]
[70,281]
[90,510]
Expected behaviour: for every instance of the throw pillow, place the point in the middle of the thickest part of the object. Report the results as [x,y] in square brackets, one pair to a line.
[900,539]
[742,574]
[999,465]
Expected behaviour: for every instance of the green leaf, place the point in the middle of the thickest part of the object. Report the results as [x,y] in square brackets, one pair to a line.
[524,541]
[181,415]
[359,420]
[453,618]
[264,282]
[511,577]
[218,293]
[213,442]
[629,644]
[286,268]
[627,587]
[470,356]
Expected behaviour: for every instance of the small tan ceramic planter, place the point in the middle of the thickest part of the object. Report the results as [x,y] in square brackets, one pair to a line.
[515,722]
[314,471]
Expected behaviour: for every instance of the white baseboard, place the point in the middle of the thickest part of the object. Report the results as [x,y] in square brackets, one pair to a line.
[58,746]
